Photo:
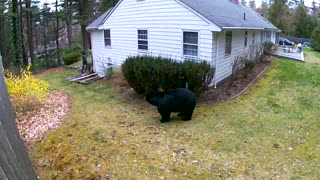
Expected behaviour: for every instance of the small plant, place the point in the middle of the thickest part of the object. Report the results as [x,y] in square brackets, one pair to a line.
[248,68]
[26,91]
[74,48]
[70,58]
[239,63]
[268,47]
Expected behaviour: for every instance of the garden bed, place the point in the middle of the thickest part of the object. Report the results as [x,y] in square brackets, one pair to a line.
[226,90]
[34,125]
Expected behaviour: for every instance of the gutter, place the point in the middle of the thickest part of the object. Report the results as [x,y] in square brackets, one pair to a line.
[242,28]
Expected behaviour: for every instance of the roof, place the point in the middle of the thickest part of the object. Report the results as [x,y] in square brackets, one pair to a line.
[228,15]
[223,13]
[100,20]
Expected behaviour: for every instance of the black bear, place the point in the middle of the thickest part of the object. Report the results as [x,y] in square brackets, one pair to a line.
[180,100]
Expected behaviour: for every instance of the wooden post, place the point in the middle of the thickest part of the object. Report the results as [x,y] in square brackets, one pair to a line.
[14,161]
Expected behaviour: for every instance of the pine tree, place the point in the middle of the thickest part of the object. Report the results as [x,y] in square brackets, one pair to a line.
[279,14]
[252,4]
[243,2]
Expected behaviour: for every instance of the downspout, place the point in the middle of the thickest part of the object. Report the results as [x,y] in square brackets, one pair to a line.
[217,55]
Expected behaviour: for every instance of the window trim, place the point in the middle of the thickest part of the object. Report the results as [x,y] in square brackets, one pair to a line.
[253,38]
[225,47]
[245,39]
[198,44]
[104,37]
[146,40]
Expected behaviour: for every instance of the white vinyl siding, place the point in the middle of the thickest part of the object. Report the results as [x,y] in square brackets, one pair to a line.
[143,39]
[165,21]
[190,43]
[225,63]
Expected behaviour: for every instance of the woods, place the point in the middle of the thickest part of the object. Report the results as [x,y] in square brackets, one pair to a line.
[35,34]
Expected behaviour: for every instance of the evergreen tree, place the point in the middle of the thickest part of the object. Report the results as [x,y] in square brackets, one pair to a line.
[252,4]
[279,14]
[303,23]
[315,39]
[264,9]
[243,2]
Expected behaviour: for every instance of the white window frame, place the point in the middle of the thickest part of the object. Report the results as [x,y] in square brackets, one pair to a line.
[228,45]
[145,40]
[191,44]
[107,38]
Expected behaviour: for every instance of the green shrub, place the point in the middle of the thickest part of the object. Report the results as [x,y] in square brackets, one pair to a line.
[70,58]
[75,47]
[315,39]
[198,75]
[268,46]
[248,68]
[149,74]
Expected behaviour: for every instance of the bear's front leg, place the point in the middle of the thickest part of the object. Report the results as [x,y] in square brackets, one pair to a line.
[165,115]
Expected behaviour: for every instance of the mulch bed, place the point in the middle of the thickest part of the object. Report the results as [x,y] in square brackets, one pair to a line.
[226,90]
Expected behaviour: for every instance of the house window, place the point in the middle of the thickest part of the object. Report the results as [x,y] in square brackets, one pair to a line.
[190,43]
[107,37]
[245,38]
[268,34]
[261,38]
[143,39]
[253,38]
[228,43]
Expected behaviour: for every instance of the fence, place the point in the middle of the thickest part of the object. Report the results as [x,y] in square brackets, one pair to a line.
[14,161]
[296,39]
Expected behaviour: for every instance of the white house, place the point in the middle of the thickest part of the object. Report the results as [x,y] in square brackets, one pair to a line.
[212,30]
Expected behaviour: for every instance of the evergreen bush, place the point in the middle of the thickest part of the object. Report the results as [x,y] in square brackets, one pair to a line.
[268,46]
[151,74]
[315,39]
[70,58]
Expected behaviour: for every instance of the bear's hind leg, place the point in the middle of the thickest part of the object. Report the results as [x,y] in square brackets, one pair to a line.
[187,115]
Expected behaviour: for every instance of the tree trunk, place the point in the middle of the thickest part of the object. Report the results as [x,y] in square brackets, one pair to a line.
[30,30]
[14,160]
[44,25]
[69,11]
[84,13]
[57,34]
[14,14]
[21,39]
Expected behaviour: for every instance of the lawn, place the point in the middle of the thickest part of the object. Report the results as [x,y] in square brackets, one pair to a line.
[311,55]
[271,131]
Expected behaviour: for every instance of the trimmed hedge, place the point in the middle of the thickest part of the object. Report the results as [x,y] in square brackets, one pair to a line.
[70,58]
[151,74]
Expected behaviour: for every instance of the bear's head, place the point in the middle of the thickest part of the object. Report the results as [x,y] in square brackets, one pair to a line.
[154,98]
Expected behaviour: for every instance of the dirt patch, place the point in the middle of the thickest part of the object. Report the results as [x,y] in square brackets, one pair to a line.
[33,125]
[225,90]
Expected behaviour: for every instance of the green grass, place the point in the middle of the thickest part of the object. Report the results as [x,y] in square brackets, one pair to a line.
[270,132]
[311,56]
